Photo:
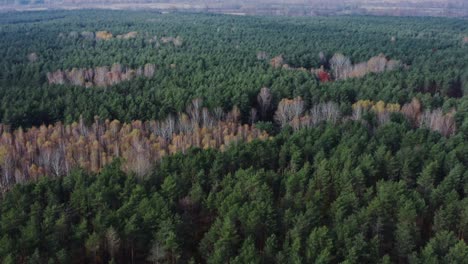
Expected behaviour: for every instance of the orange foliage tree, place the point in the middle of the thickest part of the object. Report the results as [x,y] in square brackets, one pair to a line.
[56,149]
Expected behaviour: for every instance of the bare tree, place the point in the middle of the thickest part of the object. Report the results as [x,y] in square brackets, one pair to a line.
[412,111]
[171,124]
[194,111]
[341,66]
[437,121]
[57,162]
[112,241]
[377,64]
[297,107]
[234,115]
[322,57]
[282,112]
[55,150]
[138,158]
[32,57]
[264,98]
[218,114]
[207,118]
[163,130]
[114,127]
[253,116]
[393,65]
[357,113]
[359,70]
[288,110]
[7,164]
[329,112]
[184,123]
[157,253]
[277,62]
[83,128]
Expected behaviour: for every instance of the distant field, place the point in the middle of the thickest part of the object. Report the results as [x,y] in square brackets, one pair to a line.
[269,7]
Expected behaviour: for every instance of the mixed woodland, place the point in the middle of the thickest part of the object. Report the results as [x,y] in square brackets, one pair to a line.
[141,137]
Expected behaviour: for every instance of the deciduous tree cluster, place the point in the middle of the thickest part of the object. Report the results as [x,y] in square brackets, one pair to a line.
[55,150]
[342,67]
[99,35]
[292,112]
[100,76]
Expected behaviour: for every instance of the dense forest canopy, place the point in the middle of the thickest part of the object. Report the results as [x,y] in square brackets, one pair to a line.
[141,137]
[217,61]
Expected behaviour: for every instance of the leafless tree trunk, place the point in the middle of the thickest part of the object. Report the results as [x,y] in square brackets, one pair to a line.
[7,166]
[282,115]
[207,119]
[194,112]
[341,66]
[57,162]
[253,116]
[357,113]
[297,107]
[437,121]
[218,114]
[325,112]
[412,111]
[322,58]
[157,253]
[288,110]
[112,241]
[264,98]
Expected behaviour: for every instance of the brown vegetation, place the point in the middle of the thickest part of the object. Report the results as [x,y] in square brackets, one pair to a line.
[85,34]
[412,111]
[380,108]
[100,35]
[438,121]
[129,35]
[329,112]
[177,41]
[99,76]
[291,112]
[103,35]
[56,149]
[264,98]
[434,120]
[277,62]
[341,67]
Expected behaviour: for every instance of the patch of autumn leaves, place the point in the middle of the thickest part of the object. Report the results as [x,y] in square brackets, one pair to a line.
[435,120]
[56,149]
[342,68]
[292,112]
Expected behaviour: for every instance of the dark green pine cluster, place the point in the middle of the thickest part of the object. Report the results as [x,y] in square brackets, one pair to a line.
[325,195]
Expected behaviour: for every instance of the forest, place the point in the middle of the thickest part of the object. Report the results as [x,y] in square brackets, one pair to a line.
[142,137]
